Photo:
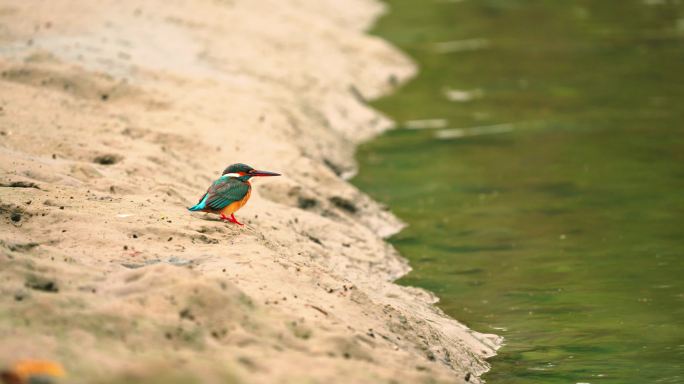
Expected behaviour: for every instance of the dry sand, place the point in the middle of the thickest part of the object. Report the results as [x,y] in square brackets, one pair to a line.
[114,117]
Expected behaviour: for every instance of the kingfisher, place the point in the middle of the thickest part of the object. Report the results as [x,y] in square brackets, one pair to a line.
[230,192]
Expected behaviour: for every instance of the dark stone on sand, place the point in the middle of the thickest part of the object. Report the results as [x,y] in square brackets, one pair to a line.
[107,159]
[315,239]
[20,295]
[22,247]
[186,314]
[306,202]
[41,283]
[16,217]
[19,184]
[344,204]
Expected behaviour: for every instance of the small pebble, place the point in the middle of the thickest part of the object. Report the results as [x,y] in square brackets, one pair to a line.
[20,295]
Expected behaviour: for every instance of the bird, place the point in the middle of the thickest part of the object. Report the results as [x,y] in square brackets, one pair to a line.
[229,192]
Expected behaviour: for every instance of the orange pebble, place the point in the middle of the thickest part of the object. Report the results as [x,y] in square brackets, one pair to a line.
[23,370]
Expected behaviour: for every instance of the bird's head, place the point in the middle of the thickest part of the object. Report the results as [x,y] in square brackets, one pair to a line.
[244,172]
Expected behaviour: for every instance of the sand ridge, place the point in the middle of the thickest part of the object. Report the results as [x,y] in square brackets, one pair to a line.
[116,115]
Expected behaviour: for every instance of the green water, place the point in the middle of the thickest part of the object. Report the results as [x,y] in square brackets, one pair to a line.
[561,228]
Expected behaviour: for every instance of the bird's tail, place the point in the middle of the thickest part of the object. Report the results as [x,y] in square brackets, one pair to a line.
[199,206]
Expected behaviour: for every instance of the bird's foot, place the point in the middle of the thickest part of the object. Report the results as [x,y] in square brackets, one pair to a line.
[234,220]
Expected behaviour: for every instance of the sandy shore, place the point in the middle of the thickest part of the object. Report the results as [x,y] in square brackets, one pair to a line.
[115,116]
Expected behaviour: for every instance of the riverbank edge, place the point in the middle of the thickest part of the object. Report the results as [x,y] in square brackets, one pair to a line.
[314,236]
[412,70]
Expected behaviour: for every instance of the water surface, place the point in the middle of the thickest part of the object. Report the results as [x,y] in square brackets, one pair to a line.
[545,193]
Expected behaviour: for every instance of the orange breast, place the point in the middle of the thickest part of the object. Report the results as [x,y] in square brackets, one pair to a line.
[234,206]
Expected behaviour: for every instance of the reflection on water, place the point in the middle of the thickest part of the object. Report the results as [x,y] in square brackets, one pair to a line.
[543,179]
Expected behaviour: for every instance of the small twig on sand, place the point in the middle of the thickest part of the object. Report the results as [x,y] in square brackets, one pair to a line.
[318,309]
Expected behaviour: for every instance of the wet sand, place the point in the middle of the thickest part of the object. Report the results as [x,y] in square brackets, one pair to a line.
[116,116]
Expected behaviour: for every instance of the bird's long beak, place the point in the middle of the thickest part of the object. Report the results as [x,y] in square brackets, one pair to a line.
[263,173]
